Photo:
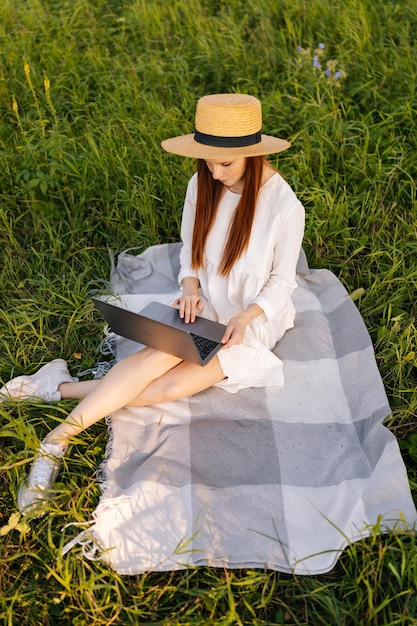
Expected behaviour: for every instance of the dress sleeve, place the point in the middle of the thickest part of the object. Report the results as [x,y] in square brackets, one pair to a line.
[274,296]
[187,227]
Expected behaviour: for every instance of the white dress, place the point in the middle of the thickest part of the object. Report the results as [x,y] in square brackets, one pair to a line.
[264,274]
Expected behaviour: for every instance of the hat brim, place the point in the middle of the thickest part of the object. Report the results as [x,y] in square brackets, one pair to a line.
[185,145]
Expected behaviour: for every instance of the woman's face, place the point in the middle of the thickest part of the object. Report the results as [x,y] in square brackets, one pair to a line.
[230,173]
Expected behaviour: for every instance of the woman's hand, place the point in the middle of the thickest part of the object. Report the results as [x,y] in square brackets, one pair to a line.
[237,325]
[189,303]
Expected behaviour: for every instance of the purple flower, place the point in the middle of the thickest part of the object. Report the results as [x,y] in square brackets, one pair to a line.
[316,62]
[321,46]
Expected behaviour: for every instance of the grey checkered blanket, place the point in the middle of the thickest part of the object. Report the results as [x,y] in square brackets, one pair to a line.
[279,478]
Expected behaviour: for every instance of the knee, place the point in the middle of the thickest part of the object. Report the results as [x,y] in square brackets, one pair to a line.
[162,390]
[170,390]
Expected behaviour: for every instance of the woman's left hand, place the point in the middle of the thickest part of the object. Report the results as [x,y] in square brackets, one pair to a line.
[237,325]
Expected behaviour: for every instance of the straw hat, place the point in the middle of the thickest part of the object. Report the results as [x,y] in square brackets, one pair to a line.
[227,126]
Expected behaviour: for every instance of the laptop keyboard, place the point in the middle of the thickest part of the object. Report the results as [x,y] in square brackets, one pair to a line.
[204,346]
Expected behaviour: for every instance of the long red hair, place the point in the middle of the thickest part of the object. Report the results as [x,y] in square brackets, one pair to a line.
[209,194]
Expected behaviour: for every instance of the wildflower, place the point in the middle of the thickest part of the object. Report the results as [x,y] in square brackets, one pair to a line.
[303,51]
[316,58]
[15,108]
[331,71]
[47,85]
[331,65]
[26,68]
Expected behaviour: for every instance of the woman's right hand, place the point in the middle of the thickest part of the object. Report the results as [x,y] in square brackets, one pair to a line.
[189,303]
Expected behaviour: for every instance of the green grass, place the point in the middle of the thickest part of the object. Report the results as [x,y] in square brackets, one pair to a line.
[88,89]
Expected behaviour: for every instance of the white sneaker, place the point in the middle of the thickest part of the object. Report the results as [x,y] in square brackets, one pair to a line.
[42,477]
[40,386]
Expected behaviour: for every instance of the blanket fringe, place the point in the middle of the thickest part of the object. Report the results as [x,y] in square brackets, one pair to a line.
[107,348]
[101,470]
[88,543]
[85,539]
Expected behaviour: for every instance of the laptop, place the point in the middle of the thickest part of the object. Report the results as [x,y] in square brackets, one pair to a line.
[159,326]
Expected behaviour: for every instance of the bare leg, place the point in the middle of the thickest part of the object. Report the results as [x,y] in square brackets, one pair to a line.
[147,377]
[184,380]
[161,378]
[77,390]
[118,388]
[181,381]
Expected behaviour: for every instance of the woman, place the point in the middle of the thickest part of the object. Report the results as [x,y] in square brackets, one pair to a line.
[242,230]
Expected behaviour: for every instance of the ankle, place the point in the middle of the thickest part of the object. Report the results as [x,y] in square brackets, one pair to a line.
[54,440]
[63,390]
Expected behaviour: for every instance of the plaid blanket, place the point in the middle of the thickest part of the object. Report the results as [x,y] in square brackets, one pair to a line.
[280,478]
